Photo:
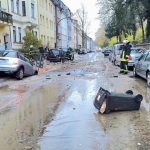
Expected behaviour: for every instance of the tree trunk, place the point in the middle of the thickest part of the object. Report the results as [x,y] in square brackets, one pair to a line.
[143,32]
[83,39]
[148,28]
[117,39]
[134,35]
[120,39]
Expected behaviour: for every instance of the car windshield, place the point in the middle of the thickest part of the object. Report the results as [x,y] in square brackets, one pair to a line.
[135,51]
[55,52]
[9,54]
[118,46]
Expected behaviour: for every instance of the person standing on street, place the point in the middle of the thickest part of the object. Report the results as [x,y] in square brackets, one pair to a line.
[125,57]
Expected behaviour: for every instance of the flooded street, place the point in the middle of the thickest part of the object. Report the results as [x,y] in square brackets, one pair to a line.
[55,110]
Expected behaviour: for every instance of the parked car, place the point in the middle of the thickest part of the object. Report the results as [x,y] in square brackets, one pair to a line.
[142,67]
[116,54]
[14,63]
[82,51]
[107,52]
[56,55]
[69,55]
[135,55]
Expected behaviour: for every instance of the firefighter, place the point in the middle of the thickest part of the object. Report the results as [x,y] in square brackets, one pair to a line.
[125,57]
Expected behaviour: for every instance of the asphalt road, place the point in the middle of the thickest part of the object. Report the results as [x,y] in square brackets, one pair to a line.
[55,111]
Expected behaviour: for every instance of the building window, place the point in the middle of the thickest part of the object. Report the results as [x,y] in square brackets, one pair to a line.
[0,5]
[23,8]
[19,34]
[32,10]
[12,5]
[14,34]
[17,6]
[35,33]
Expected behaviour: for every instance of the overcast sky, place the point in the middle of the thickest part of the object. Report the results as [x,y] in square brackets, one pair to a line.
[92,10]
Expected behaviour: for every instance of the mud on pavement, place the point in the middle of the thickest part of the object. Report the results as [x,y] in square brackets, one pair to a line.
[30,118]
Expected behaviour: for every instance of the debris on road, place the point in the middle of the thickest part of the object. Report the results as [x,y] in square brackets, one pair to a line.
[59,74]
[48,78]
[107,102]
[68,74]
[115,76]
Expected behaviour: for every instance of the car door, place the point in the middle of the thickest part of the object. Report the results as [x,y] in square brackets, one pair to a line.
[24,64]
[29,67]
[145,65]
[139,65]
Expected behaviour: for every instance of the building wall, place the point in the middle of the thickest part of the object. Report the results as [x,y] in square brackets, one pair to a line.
[69,36]
[74,39]
[64,31]
[4,29]
[79,34]
[46,15]
[21,21]
[58,28]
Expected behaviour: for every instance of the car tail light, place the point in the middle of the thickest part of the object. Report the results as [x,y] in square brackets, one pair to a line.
[15,61]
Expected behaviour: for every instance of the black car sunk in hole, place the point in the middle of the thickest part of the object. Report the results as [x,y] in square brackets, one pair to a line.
[56,55]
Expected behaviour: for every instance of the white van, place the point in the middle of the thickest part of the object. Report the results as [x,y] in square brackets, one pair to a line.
[117,49]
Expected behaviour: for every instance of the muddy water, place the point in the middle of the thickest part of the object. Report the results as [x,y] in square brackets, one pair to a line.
[23,115]
[77,124]
[26,121]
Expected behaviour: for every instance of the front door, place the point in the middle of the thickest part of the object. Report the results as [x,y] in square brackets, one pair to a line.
[7,42]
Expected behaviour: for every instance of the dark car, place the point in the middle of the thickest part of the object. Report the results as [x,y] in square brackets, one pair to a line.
[56,55]
[107,52]
[69,54]
[82,51]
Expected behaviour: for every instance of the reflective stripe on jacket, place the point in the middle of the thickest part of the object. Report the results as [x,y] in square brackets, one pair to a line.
[123,57]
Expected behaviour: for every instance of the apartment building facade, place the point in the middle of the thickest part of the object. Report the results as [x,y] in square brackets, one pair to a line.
[46,21]
[5,25]
[24,18]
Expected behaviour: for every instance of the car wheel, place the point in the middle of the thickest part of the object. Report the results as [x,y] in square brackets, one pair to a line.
[20,74]
[148,79]
[35,72]
[134,72]
[72,57]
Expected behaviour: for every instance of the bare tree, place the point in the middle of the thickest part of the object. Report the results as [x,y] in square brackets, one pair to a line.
[83,22]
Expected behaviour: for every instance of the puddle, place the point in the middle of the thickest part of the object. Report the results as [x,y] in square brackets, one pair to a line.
[24,117]
[79,72]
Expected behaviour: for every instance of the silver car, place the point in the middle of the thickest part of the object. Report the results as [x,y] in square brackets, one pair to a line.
[135,55]
[116,54]
[14,62]
[142,67]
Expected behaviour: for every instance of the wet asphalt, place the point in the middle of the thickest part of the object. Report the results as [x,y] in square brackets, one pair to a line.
[57,112]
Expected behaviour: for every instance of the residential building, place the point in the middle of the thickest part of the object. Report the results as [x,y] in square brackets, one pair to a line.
[24,18]
[5,24]
[63,25]
[46,15]
[79,37]
[74,41]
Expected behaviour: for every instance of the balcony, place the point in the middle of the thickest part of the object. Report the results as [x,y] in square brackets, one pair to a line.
[5,18]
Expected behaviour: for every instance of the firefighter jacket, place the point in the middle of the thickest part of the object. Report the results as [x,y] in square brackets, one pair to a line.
[126,50]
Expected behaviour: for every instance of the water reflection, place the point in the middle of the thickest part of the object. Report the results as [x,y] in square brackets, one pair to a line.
[21,126]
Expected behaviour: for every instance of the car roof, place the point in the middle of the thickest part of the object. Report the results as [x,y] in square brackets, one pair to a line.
[11,51]
[147,51]
[137,48]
